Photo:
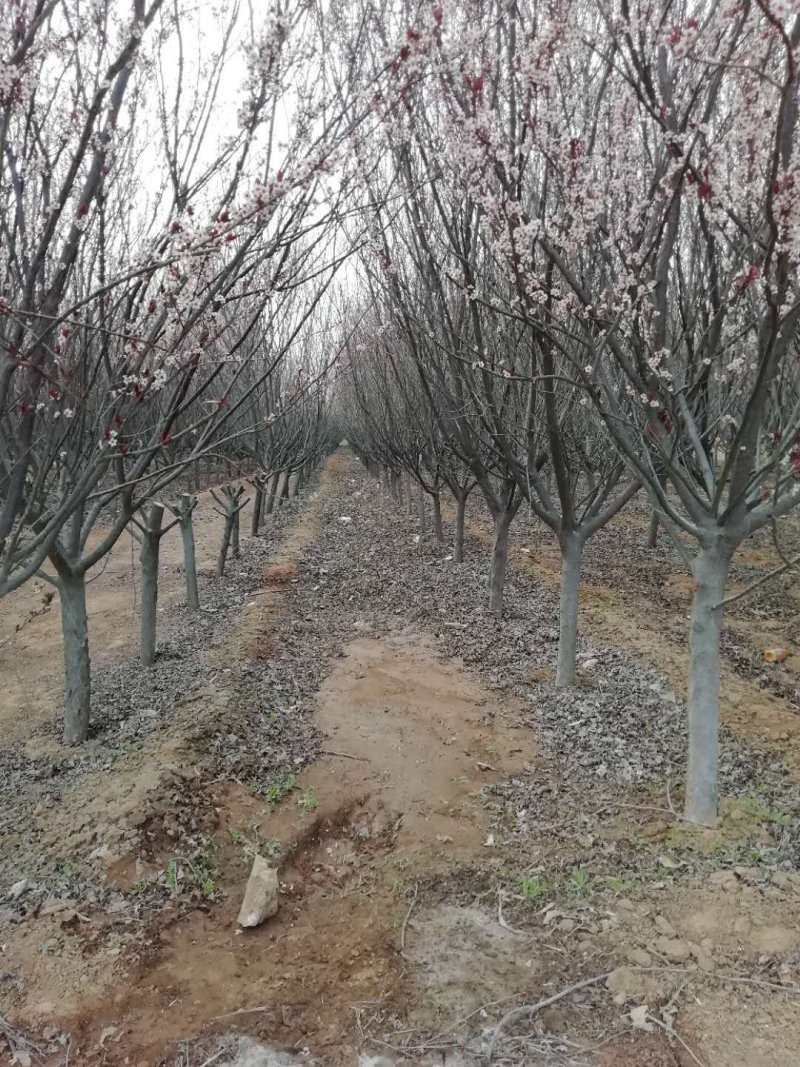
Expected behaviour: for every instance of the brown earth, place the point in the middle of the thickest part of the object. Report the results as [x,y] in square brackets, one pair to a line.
[367,951]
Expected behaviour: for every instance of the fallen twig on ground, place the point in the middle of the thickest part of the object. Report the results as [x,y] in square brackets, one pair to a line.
[405,921]
[530,1009]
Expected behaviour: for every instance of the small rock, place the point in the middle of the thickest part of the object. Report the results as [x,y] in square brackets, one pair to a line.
[553,1020]
[722,878]
[639,957]
[55,907]
[587,947]
[17,889]
[675,949]
[664,926]
[261,895]
[623,984]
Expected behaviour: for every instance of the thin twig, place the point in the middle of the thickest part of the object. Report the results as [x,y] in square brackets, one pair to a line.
[240,1011]
[343,755]
[670,1031]
[529,1009]
[214,1058]
[405,921]
[501,919]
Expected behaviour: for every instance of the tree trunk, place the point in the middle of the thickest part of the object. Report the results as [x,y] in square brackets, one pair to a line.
[148,558]
[458,536]
[77,668]
[571,551]
[421,515]
[235,550]
[190,562]
[273,492]
[652,532]
[702,779]
[438,531]
[294,486]
[283,493]
[258,504]
[227,533]
[497,571]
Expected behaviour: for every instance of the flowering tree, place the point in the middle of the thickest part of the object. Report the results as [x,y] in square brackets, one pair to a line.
[127,305]
[667,272]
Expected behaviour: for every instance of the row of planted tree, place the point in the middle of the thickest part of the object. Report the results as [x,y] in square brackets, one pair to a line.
[545,248]
[583,271]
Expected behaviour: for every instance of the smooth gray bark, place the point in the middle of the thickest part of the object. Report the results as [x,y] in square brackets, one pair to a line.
[497,570]
[571,551]
[458,533]
[710,572]
[148,558]
[77,667]
[183,511]
[190,563]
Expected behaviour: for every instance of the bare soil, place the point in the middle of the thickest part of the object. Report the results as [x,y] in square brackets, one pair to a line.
[440,862]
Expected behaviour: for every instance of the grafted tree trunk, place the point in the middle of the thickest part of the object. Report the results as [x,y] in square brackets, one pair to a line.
[652,531]
[235,549]
[273,492]
[438,530]
[422,517]
[571,552]
[183,512]
[497,570]
[397,488]
[710,572]
[258,504]
[294,485]
[77,666]
[230,504]
[148,558]
[458,533]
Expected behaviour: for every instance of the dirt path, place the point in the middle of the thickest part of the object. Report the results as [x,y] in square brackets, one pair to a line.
[421,895]
[415,740]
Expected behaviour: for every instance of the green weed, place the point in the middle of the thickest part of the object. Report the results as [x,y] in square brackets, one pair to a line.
[532,888]
[275,790]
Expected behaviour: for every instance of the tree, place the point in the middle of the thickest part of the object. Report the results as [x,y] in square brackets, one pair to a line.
[667,274]
[111,381]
